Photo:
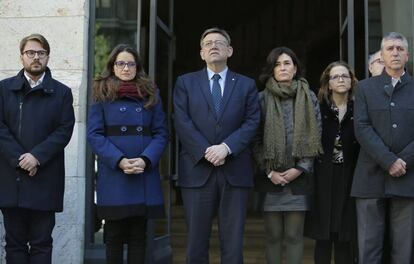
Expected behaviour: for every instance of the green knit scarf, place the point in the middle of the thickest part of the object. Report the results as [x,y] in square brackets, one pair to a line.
[306,136]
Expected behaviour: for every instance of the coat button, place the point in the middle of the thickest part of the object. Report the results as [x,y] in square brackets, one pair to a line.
[123,128]
[139,128]
[138,109]
[392,104]
[394,126]
[18,179]
[122,109]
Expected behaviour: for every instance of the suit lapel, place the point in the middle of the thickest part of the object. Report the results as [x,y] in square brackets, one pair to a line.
[405,79]
[228,90]
[385,80]
[388,88]
[204,83]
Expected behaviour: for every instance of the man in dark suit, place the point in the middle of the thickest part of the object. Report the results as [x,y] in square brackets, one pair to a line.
[216,116]
[36,123]
[384,175]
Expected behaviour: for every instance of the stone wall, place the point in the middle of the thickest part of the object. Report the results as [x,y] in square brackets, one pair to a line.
[65,24]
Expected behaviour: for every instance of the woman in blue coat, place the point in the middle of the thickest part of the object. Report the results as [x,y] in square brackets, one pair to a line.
[127,131]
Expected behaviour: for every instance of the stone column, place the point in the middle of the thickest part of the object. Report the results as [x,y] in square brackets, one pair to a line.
[65,24]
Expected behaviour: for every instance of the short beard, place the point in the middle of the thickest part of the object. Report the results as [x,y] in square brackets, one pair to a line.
[35,72]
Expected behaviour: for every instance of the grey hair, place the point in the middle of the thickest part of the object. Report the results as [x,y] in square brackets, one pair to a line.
[394,36]
[215,30]
[372,56]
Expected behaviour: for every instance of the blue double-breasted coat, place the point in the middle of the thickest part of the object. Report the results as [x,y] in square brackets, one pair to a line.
[124,128]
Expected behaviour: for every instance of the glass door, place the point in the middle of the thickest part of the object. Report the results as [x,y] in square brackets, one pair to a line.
[160,68]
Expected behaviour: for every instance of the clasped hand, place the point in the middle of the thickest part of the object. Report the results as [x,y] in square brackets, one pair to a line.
[29,163]
[398,168]
[284,177]
[132,166]
[216,154]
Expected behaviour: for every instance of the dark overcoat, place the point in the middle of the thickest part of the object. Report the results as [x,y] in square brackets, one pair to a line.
[39,121]
[318,220]
[125,128]
[384,127]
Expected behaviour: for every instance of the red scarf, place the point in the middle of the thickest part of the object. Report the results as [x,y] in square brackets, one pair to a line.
[130,89]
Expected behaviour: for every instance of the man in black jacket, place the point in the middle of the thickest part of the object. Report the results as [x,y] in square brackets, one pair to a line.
[384,178]
[36,123]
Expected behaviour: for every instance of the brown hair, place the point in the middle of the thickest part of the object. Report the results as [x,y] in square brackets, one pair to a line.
[271,60]
[215,30]
[106,86]
[35,37]
[324,93]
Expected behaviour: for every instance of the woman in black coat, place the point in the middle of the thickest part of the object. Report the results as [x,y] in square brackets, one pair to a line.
[332,220]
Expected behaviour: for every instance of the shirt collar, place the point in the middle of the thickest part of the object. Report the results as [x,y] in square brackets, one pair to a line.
[34,83]
[394,81]
[222,74]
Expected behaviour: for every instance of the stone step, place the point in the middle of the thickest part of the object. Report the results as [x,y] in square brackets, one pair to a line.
[252,255]
[254,239]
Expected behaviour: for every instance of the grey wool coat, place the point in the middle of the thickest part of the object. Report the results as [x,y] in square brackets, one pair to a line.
[384,127]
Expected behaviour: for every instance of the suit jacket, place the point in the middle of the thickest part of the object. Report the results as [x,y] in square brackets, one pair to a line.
[384,127]
[199,126]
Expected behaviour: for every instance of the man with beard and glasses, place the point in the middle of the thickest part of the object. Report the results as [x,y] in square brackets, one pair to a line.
[36,123]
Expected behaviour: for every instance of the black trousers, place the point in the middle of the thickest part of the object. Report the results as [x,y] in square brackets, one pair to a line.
[130,231]
[28,235]
[216,197]
[342,252]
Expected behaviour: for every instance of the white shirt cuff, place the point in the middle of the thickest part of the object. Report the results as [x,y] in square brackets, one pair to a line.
[228,149]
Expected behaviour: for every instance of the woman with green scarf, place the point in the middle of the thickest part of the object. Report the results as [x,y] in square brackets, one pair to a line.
[284,149]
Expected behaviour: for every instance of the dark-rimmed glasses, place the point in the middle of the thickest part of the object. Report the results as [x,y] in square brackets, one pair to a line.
[377,61]
[32,53]
[122,64]
[337,77]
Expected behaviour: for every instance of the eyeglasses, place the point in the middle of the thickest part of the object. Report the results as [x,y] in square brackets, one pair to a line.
[378,61]
[337,76]
[209,44]
[122,64]
[32,53]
